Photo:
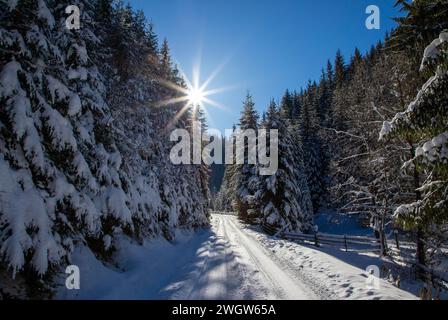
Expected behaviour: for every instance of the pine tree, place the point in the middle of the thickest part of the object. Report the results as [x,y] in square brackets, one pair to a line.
[330,75]
[283,199]
[227,195]
[339,97]
[287,105]
[422,21]
[249,116]
[324,95]
[166,64]
[312,147]
[58,148]
[83,158]
[355,61]
[426,120]
[245,171]
[339,70]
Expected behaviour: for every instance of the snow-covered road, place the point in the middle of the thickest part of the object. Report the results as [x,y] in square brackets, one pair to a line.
[235,262]
[228,261]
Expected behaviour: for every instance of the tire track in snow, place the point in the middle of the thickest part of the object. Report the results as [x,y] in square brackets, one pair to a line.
[283,286]
[320,290]
[274,292]
[246,280]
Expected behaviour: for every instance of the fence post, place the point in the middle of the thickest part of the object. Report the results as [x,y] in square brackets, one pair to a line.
[316,240]
[345,243]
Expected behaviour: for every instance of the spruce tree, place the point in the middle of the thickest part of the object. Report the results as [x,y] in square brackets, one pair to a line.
[283,199]
[58,154]
[84,157]
[227,195]
[287,105]
[313,155]
[426,120]
[245,171]
[339,70]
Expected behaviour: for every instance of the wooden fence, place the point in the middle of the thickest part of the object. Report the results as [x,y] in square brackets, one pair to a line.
[435,277]
[224,213]
[372,244]
[329,239]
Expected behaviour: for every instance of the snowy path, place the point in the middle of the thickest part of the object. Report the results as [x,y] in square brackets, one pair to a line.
[243,259]
[228,261]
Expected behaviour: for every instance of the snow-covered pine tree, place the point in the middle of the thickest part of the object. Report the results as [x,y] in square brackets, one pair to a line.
[129,71]
[419,23]
[426,120]
[84,149]
[226,197]
[164,195]
[59,162]
[339,102]
[217,170]
[313,153]
[283,199]
[200,172]
[245,172]
[324,96]
[287,105]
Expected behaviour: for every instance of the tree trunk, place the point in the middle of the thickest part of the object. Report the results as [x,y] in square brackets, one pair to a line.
[421,256]
[421,259]
[383,232]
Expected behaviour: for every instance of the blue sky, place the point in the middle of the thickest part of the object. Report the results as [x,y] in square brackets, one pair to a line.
[266,46]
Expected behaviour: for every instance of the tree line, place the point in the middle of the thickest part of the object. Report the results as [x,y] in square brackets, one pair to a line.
[368,139]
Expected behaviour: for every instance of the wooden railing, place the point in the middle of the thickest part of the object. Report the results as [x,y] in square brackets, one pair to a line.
[321,238]
[227,213]
[437,278]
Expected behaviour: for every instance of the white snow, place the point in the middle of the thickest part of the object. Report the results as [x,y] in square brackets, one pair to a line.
[9,79]
[45,14]
[58,90]
[443,37]
[116,204]
[80,52]
[332,273]
[74,106]
[23,208]
[385,130]
[432,51]
[12,4]
[60,129]
[80,73]
[435,149]
[226,262]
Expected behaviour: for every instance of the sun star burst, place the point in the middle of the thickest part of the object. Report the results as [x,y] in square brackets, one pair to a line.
[194,94]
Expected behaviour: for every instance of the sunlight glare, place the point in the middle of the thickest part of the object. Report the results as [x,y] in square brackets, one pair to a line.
[196,97]
[194,94]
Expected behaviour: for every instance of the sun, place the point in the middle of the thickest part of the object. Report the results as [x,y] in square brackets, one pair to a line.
[196,96]
[193,94]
